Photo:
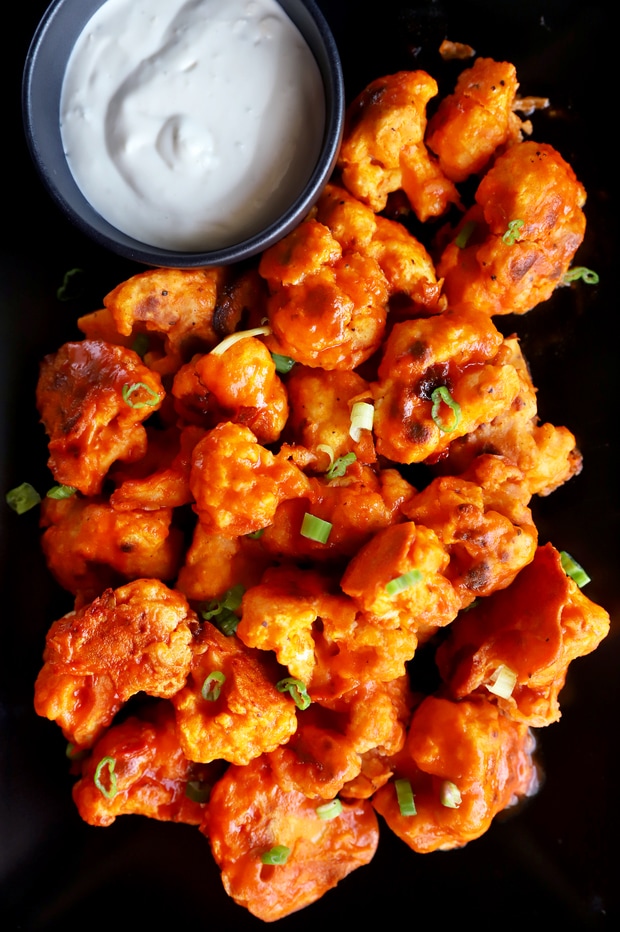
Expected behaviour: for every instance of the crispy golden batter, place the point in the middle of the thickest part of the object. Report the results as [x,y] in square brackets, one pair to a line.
[453,352]
[138,768]
[136,638]
[471,124]
[528,223]
[383,148]
[244,715]
[89,422]
[214,563]
[471,745]
[536,627]
[249,815]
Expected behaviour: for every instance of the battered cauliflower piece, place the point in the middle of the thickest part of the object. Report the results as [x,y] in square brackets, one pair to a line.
[439,379]
[174,308]
[249,816]
[92,398]
[89,546]
[136,638]
[536,628]
[237,484]
[484,523]
[138,768]
[214,563]
[327,307]
[468,752]
[230,708]
[383,148]
[239,385]
[547,456]
[471,124]
[527,224]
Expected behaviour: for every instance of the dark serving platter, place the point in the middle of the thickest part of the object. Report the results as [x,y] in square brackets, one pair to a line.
[554,860]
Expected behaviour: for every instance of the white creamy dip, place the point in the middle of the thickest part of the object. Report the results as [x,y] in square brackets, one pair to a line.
[191,125]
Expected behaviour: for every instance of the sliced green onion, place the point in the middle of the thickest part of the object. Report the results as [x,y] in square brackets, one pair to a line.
[450,795]
[233,338]
[513,233]
[573,569]
[22,498]
[297,690]
[276,855]
[212,686]
[198,791]
[284,364]
[339,467]
[502,682]
[329,810]
[442,394]
[465,233]
[59,492]
[256,535]
[580,271]
[76,754]
[325,448]
[405,581]
[362,417]
[222,611]
[315,528]
[71,286]
[128,391]
[404,795]
[110,763]
[141,344]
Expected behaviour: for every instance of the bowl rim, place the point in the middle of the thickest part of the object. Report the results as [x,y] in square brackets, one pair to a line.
[44,69]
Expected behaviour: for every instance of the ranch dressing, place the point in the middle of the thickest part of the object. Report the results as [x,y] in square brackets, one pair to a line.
[191,125]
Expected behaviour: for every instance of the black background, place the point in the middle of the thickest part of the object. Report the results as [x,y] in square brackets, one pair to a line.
[555,861]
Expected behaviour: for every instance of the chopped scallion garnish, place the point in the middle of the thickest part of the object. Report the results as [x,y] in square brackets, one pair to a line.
[329,810]
[71,286]
[222,611]
[296,689]
[74,753]
[233,338]
[150,402]
[439,395]
[573,569]
[404,795]
[325,448]
[61,491]
[284,364]
[362,417]
[462,238]
[580,272]
[22,498]
[141,344]
[276,855]
[513,233]
[315,528]
[212,686]
[450,795]
[405,581]
[502,682]
[110,791]
[339,467]
[198,791]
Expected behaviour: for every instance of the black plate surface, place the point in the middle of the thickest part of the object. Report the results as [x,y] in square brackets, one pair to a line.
[555,862]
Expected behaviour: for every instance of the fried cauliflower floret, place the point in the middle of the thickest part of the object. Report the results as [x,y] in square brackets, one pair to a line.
[237,484]
[452,353]
[239,385]
[383,148]
[469,748]
[327,307]
[546,455]
[136,638]
[175,308]
[92,398]
[536,628]
[404,261]
[249,815]
[471,124]
[528,223]
[89,546]
[230,708]
[484,524]
[214,563]
[400,577]
[138,768]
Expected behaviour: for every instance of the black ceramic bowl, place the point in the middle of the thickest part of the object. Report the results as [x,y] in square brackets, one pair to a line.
[551,864]
[44,71]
